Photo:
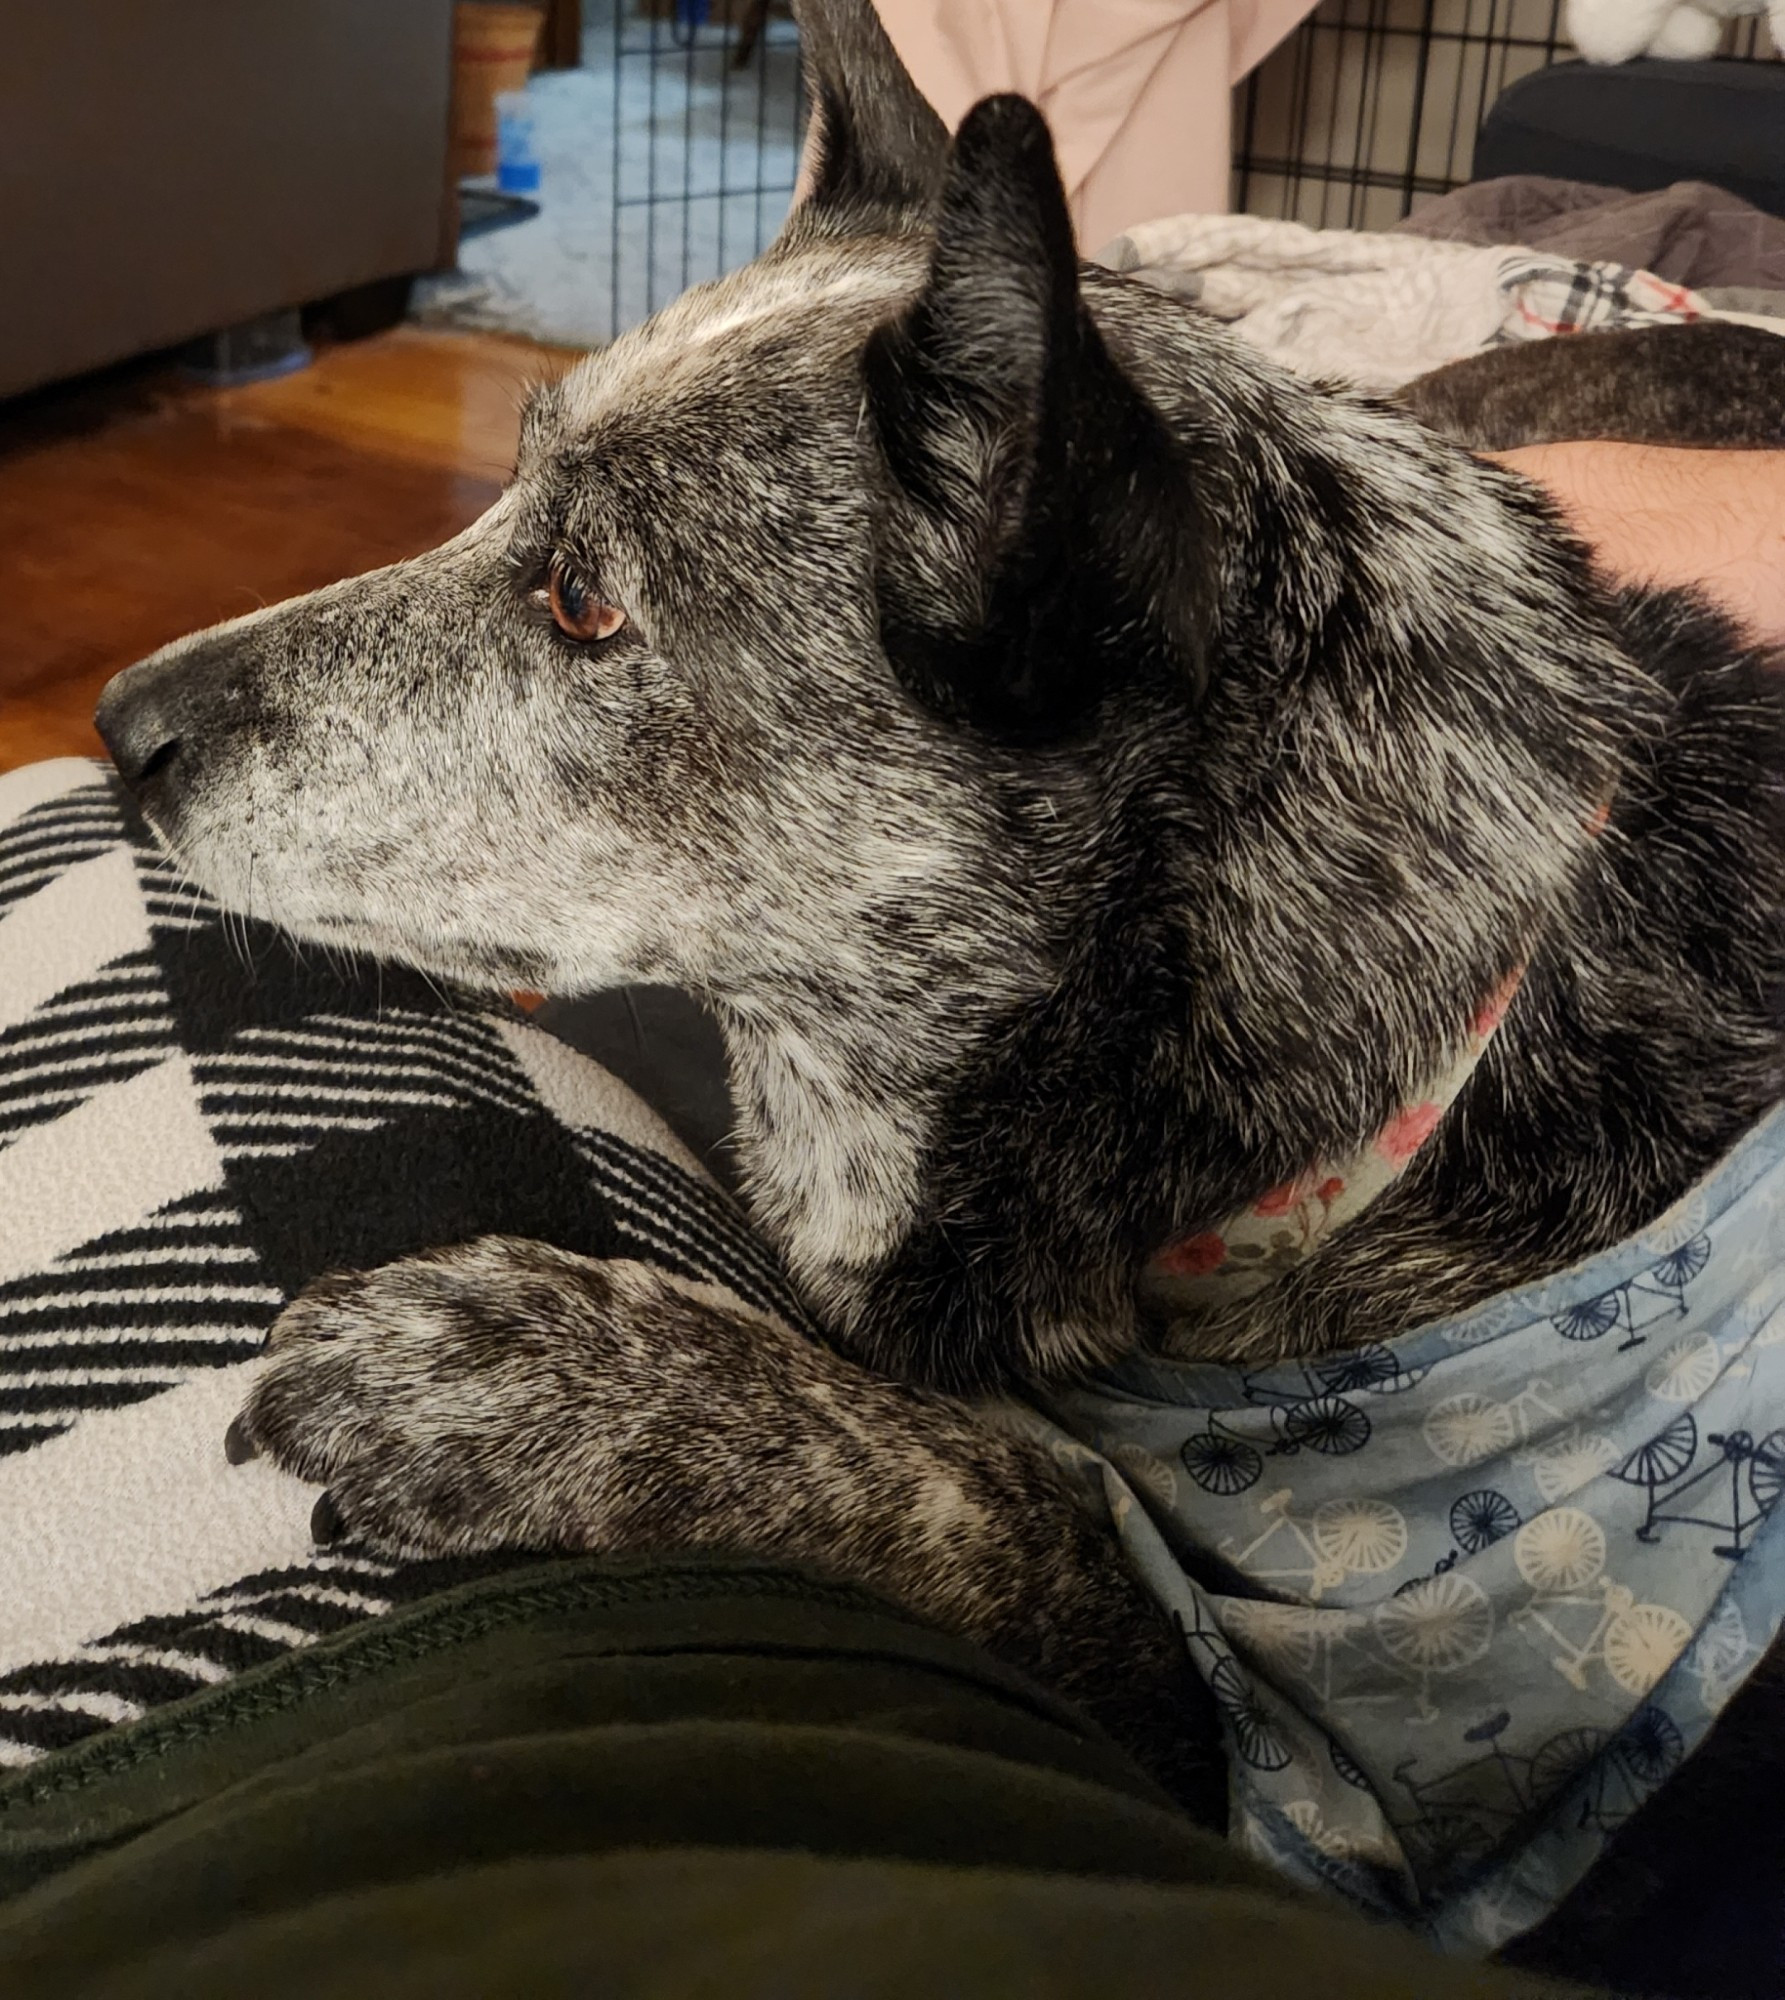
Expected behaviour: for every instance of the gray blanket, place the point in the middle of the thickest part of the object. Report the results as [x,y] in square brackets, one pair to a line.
[1691,233]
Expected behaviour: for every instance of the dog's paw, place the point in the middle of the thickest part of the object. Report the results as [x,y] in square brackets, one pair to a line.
[470,1399]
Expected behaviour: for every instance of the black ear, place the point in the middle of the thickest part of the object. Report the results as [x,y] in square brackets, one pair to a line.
[1041,540]
[880,147]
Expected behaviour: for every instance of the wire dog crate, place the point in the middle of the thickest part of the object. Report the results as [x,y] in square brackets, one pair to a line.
[1372,103]
[1367,107]
[708,119]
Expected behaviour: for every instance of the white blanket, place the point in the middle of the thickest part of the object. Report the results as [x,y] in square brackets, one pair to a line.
[1377,311]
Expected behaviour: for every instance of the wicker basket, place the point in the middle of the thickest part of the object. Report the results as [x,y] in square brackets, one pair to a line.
[494,46]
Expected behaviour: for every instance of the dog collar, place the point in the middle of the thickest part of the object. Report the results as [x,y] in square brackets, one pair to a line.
[1285,1224]
[1282,1228]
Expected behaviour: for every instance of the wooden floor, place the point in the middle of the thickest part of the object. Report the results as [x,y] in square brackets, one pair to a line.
[134,507]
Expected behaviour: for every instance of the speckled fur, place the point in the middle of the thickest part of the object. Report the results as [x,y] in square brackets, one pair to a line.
[1710,383]
[1092,774]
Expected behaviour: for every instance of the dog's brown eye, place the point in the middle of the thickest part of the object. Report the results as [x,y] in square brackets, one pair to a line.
[576,610]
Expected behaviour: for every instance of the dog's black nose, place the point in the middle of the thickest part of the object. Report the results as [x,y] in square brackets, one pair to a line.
[136,724]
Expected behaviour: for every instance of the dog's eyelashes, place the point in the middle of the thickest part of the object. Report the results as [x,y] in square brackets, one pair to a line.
[579,612]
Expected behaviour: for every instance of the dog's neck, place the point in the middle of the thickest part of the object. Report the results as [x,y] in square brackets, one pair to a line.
[837,1109]
[852,1057]
[851,1008]
[834,1113]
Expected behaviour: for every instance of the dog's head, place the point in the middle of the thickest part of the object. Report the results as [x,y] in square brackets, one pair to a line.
[784,583]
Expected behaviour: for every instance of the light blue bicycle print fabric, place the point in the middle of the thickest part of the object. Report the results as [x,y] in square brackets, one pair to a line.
[1467,1599]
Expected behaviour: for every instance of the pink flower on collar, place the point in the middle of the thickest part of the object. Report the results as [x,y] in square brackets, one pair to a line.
[1404,1134]
[1493,1008]
[1288,1195]
[1195,1257]
[1280,1199]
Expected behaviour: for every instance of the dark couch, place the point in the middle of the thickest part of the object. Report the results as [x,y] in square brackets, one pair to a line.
[172,167]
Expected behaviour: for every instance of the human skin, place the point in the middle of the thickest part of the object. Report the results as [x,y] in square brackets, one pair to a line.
[1657,513]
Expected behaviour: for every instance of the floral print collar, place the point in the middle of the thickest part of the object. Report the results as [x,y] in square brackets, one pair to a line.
[1286,1223]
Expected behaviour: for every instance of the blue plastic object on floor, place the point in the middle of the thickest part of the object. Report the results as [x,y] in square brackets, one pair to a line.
[517,160]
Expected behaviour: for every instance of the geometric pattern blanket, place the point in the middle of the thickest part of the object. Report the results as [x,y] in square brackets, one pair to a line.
[196,1118]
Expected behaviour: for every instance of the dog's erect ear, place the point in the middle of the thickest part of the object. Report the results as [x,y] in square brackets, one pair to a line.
[1042,540]
[880,148]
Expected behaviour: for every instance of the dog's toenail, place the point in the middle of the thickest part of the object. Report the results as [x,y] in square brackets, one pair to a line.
[238,1445]
[326,1523]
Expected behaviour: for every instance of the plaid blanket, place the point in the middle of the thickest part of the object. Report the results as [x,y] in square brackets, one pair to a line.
[1547,295]
[194,1121]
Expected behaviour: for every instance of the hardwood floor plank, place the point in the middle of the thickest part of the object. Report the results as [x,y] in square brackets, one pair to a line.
[414,395]
[135,508]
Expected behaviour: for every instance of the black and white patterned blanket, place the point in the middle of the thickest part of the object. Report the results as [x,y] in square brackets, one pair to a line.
[195,1120]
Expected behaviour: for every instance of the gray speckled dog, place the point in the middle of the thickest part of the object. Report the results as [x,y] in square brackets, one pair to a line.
[1091,774]
[1712,382]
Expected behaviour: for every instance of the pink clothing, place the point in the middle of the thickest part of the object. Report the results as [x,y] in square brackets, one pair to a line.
[1137,91]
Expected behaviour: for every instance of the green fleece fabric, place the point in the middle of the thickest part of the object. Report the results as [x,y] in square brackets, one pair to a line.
[696,1777]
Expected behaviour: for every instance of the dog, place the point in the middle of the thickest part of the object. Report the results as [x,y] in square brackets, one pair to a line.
[1094,777]
[1710,382]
